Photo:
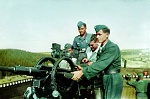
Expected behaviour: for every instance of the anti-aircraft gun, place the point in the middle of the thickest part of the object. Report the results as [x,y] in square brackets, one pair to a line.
[49,81]
[57,52]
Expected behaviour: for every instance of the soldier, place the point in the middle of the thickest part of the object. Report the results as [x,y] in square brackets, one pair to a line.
[81,41]
[68,48]
[91,51]
[140,86]
[109,60]
[92,57]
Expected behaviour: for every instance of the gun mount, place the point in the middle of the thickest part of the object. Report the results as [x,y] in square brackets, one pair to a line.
[57,52]
[49,82]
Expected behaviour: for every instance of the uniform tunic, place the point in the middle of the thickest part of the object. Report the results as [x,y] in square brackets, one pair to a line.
[109,58]
[140,87]
[81,43]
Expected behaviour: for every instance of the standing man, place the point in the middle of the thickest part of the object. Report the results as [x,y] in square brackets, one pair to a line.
[109,61]
[82,40]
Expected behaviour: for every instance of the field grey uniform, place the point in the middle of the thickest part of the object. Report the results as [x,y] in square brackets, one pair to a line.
[140,87]
[109,60]
[81,44]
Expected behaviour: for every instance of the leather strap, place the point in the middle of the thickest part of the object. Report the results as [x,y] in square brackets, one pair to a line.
[112,72]
[141,92]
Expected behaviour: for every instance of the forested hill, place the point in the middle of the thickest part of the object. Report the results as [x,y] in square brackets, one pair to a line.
[13,57]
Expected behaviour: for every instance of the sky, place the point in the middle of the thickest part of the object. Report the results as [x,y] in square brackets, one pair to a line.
[33,25]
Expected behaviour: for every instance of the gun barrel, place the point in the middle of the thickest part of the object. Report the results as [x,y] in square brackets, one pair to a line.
[32,71]
[4,68]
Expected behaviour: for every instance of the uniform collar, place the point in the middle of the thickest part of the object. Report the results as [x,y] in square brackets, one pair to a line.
[83,37]
[104,46]
[105,43]
[97,48]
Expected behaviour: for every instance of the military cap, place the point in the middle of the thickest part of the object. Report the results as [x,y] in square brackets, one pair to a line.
[80,23]
[67,46]
[99,27]
[140,75]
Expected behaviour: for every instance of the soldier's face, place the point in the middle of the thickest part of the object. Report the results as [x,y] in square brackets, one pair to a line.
[93,45]
[82,30]
[70,50]
[101,36]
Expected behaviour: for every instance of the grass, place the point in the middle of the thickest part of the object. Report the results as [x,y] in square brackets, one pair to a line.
[9,79]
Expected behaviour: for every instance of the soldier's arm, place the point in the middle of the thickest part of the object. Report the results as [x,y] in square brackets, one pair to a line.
[74,43]
[132,83]
[105,60]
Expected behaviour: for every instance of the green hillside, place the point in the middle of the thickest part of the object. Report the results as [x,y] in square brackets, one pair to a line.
[15,57]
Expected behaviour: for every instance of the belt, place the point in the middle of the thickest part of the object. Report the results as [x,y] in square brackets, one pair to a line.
[141,92]
[112,72]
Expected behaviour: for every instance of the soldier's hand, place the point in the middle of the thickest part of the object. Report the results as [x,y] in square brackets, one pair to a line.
[85,60]
[77,75]
[78,67]
[90,63]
